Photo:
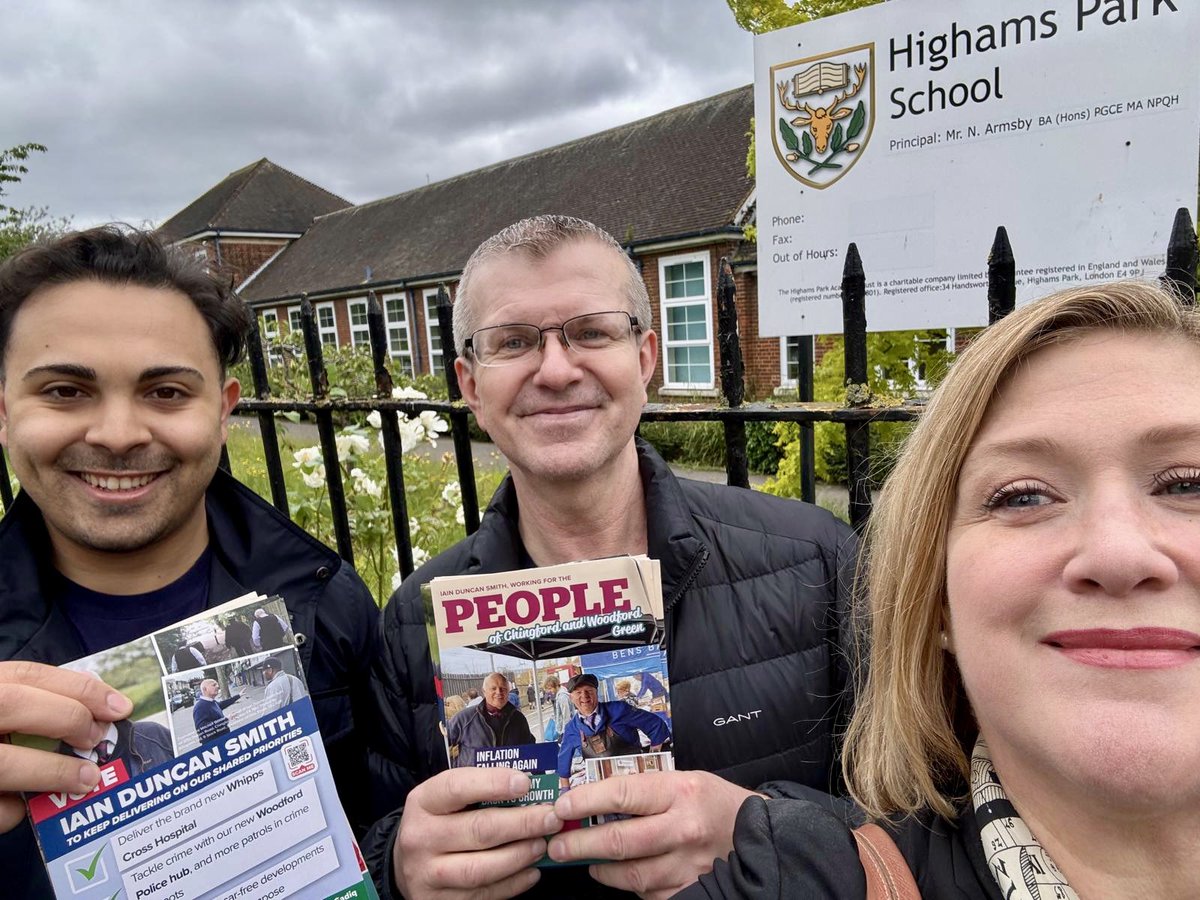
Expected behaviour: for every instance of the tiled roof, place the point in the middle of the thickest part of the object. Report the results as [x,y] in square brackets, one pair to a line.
[675,174]
[261,197]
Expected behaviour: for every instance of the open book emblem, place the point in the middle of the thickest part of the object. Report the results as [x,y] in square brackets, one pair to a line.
[823,110]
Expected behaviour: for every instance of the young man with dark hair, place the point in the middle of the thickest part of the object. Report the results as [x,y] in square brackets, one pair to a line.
[114,401]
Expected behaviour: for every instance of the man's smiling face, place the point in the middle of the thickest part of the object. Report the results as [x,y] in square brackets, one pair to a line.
[113,411]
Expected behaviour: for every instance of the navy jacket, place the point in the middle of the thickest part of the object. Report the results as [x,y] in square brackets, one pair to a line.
[785,847]
[757,596]
[254,548]
[472,730]
[210,722]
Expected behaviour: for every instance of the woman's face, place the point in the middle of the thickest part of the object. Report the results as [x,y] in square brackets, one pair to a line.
[1073,571]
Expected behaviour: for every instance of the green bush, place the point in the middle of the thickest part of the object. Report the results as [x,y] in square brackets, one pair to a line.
[351,372]
[894,359]
[701,445]
[431,490]
[762,451]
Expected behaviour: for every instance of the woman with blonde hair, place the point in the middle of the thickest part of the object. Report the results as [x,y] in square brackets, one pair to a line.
[1029,724]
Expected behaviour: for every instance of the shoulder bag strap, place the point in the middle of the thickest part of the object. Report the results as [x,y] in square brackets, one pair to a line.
[888,875]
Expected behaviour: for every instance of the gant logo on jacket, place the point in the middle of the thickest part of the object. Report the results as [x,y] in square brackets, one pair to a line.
[737,717]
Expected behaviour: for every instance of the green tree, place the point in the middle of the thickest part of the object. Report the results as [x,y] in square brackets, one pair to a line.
[902,364]
[20,227]
[758,16]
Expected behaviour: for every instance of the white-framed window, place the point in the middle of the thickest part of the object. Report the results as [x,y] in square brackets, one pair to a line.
[295,320]
[433,332]
[789,361]
[270,324]
[327,324]
[269,332]
[360,331]
[687,321]
[395,315]
[934,340]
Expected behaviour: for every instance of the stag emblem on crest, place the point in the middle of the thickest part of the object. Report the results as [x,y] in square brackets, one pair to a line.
[824,111]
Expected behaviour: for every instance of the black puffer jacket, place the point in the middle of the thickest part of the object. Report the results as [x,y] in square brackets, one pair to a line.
[756,589]
[255,548]
[786,848]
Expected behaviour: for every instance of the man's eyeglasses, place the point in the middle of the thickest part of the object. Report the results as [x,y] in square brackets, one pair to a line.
[503,345]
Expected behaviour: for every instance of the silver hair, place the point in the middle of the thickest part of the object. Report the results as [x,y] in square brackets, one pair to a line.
[490,675]
[537,237]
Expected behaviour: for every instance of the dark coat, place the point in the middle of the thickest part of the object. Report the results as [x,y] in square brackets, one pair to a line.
[140,746]
[208,718]
[473,730]
[254,548]
[238,639]
[756,591]
[796,848]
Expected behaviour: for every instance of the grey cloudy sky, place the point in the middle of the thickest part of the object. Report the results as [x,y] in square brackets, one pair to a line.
[144,106]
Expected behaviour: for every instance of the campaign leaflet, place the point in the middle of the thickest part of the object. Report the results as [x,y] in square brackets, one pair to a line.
[508,645]
[217,787]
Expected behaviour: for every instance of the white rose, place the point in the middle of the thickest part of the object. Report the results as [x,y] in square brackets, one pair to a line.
[307,457]
[407,393]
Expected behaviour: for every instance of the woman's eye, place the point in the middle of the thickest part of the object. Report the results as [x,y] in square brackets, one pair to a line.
[1179,483]
[1021,501]
[1018,496]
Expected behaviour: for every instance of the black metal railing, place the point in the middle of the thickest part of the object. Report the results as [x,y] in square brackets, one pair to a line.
[856,414]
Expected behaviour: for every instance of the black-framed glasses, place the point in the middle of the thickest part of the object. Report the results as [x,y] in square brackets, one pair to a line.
[503,345]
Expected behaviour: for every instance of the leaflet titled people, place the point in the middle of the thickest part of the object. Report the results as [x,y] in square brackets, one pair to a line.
[556,671]
[217,786]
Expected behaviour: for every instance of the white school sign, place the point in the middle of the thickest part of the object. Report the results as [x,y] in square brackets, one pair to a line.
[915,128]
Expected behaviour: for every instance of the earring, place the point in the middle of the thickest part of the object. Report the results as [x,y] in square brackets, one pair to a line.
[944,640]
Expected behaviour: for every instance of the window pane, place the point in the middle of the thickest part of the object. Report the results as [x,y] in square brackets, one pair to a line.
[435,334]
[684,280]
[793,358]
[688,365]
[686,323]
[358,314]
[325,316]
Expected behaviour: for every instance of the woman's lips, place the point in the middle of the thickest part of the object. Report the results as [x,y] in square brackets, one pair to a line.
[1130,648]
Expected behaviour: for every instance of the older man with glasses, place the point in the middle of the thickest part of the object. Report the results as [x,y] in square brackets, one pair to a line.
[553,327]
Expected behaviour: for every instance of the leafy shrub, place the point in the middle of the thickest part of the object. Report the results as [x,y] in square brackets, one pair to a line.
[701,445]
[432,491]
[896,358]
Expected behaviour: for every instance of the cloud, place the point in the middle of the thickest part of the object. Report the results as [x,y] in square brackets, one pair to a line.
[145,106]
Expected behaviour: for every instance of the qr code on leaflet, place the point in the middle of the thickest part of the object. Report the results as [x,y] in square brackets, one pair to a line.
[299,758]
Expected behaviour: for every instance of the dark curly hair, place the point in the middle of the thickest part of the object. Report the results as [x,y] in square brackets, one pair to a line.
[122,255]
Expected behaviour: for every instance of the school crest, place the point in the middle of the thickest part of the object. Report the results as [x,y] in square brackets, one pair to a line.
[823,110]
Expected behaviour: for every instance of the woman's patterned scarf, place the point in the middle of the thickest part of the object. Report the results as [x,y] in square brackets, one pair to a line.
[1022,869]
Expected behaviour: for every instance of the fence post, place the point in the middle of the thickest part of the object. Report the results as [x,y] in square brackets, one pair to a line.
[389,429]
[266,419]
[805,364]
[1182,255]
[737,470]
[1002,278]
[858,394]
[459,425]
[333,470]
